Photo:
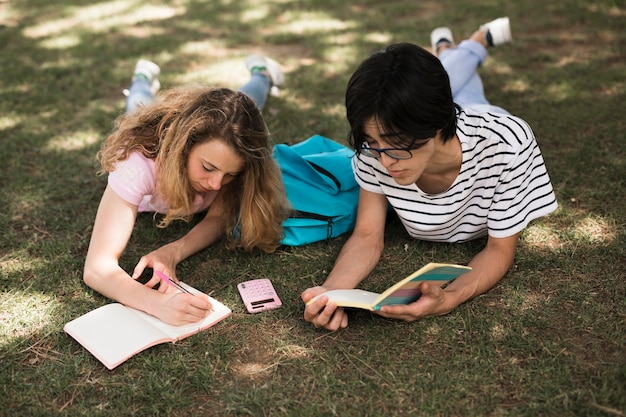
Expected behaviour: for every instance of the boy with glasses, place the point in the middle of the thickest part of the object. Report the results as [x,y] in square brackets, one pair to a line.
[452,166]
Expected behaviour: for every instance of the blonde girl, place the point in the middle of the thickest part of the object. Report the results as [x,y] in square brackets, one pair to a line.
[193,149]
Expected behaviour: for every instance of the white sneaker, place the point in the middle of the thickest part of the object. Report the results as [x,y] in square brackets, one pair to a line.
[500,31]
[440,36]
[150,71]
[261,62]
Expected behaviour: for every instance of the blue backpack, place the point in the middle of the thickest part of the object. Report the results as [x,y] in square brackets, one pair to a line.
[321,188]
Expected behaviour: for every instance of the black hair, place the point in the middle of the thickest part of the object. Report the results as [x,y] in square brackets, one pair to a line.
[405,90]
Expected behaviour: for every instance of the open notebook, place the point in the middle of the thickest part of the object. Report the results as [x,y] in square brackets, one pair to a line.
[114,332]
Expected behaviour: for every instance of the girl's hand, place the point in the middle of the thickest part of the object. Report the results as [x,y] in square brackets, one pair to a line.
[182,308]
[161,260]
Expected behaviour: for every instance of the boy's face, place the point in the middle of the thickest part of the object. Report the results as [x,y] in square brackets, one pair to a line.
[403,171]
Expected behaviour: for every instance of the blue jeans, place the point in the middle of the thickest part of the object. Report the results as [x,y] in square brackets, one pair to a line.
[461,64]
[257,88]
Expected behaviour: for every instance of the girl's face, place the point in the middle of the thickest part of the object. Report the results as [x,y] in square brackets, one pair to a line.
[212,165]
[403,171]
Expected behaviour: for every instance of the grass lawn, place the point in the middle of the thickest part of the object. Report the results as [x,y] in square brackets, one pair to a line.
[548,340]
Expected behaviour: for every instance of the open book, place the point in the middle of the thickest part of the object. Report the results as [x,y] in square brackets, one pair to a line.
[403,292]
[114,332]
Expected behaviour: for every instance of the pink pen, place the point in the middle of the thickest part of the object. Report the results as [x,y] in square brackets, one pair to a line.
[172,283]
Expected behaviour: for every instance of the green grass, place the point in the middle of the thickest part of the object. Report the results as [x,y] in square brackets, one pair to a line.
[548,340]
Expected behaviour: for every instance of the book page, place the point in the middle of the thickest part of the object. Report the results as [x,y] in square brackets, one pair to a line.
[350,298]
[113,333]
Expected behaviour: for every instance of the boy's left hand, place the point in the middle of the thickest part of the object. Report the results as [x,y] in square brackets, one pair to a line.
[431,303]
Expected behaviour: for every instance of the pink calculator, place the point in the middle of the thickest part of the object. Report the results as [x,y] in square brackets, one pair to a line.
[259,295]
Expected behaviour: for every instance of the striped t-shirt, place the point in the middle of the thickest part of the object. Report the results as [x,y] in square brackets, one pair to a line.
[503,184]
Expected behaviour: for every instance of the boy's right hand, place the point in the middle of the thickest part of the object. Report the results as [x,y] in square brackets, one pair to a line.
[321,314]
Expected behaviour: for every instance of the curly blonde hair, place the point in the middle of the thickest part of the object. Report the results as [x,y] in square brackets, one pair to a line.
[255,203]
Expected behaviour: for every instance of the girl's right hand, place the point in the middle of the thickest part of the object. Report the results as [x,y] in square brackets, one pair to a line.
[182,308]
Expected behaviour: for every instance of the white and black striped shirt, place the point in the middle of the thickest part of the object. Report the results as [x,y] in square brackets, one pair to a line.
[503,184]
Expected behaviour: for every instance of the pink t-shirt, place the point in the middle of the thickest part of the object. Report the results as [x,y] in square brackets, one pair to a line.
[134,180]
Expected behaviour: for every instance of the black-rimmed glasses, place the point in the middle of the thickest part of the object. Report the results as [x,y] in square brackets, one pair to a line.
[395,153]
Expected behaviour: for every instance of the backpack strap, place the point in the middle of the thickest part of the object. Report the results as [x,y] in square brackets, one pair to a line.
[299,214]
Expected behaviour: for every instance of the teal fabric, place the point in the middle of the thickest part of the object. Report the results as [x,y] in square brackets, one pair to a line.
[321,188]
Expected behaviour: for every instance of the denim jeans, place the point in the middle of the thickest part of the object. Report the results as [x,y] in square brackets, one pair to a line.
[461,64]
[257,88]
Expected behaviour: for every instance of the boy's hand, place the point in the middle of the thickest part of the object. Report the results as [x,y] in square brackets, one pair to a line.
[328,316]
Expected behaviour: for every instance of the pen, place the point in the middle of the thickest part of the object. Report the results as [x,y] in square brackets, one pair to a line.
[172,283]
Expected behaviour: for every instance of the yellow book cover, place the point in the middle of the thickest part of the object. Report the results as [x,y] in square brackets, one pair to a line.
[405,291]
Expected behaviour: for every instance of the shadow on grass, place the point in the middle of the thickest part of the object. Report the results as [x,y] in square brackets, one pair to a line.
[548,338]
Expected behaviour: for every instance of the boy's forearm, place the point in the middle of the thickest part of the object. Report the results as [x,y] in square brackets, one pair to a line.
[488,268]
[356,260]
